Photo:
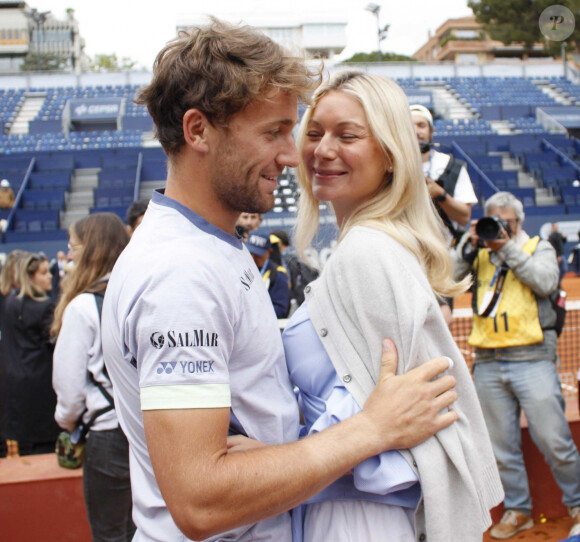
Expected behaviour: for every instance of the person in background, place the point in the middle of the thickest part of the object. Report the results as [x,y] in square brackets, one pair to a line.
[250,221]
[9,281]
[359,153]
[10,274]
[275,276]
[301,273]
[516,355]
[57,268]
[449,186]
[558,241]
[26,360]
[6,195]
[135,214]
[446,177]
[574,258]
[81,381]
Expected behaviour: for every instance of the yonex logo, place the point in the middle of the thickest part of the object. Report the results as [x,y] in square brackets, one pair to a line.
[166,368]
[189,367]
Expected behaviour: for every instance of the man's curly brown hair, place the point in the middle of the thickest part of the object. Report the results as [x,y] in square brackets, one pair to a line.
[219,69]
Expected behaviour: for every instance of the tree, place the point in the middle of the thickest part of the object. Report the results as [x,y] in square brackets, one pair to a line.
[374,57]
[110,63]
[517,21]
[45,61]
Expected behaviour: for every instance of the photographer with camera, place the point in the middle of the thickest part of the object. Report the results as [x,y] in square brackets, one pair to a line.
[448,183]
[447,179]
[515,355]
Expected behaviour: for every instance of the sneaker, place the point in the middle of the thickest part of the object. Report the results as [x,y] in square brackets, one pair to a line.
[575,515]
[512,522]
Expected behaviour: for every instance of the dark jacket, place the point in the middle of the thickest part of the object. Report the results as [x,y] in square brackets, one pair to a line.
[276,278]
[26,360]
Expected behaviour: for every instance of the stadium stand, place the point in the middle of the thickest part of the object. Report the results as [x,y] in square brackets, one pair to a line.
[93,143]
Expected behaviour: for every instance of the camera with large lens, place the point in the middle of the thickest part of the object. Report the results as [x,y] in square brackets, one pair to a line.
[489,228]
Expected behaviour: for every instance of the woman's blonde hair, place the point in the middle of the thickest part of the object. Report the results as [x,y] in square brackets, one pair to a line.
[402,207]
[29,265]
[103,237]
[9,276]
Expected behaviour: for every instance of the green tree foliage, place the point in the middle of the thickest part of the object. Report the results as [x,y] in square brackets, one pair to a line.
[517,21]
[44,62]
[110,63]
[374,57]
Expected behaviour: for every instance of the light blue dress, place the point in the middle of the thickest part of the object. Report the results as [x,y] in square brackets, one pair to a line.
[377,501]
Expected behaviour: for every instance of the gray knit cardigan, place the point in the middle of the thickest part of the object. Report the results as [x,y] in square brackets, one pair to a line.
[373,288]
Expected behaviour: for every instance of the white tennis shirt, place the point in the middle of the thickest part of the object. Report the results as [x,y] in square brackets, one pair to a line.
[188,323]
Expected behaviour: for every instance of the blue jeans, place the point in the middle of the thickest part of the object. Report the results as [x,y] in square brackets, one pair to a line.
[504,388]
[107,486]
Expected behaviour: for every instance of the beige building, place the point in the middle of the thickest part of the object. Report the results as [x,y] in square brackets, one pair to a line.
[464,41]
[21,33]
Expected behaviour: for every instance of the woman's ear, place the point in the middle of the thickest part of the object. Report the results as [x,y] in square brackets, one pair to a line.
[389,163]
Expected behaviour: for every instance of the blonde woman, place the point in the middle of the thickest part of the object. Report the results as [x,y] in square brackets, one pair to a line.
[9,275]
[80,378]
[8,283]
[359,152]
[26,360]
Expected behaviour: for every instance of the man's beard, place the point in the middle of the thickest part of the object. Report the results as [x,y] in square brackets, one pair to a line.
[245,199]
[234,185]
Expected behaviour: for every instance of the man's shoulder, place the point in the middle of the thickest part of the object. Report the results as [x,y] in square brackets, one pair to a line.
[440,158]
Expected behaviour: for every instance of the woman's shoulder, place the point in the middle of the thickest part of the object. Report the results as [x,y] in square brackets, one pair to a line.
[367,242]
[25,302]
[82,304]
[376,254]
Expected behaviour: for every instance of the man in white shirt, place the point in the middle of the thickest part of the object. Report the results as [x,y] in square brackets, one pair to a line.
[456,204]
[448,183]
[190,336]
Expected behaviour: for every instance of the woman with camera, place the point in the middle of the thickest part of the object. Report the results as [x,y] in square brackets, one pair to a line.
[80,377]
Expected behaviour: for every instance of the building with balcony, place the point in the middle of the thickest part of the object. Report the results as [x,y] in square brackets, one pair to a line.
[464,41]
[24,30]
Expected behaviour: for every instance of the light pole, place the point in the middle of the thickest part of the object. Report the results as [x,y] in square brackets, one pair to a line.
[375,9]
[39,18]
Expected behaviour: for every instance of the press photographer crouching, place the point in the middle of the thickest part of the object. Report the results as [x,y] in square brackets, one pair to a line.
[515,355]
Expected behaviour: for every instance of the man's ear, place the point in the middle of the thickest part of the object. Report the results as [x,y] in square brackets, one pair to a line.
[195,129]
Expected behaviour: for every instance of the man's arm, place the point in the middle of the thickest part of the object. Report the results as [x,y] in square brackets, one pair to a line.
[539,271]
[209,491]
[456,210]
